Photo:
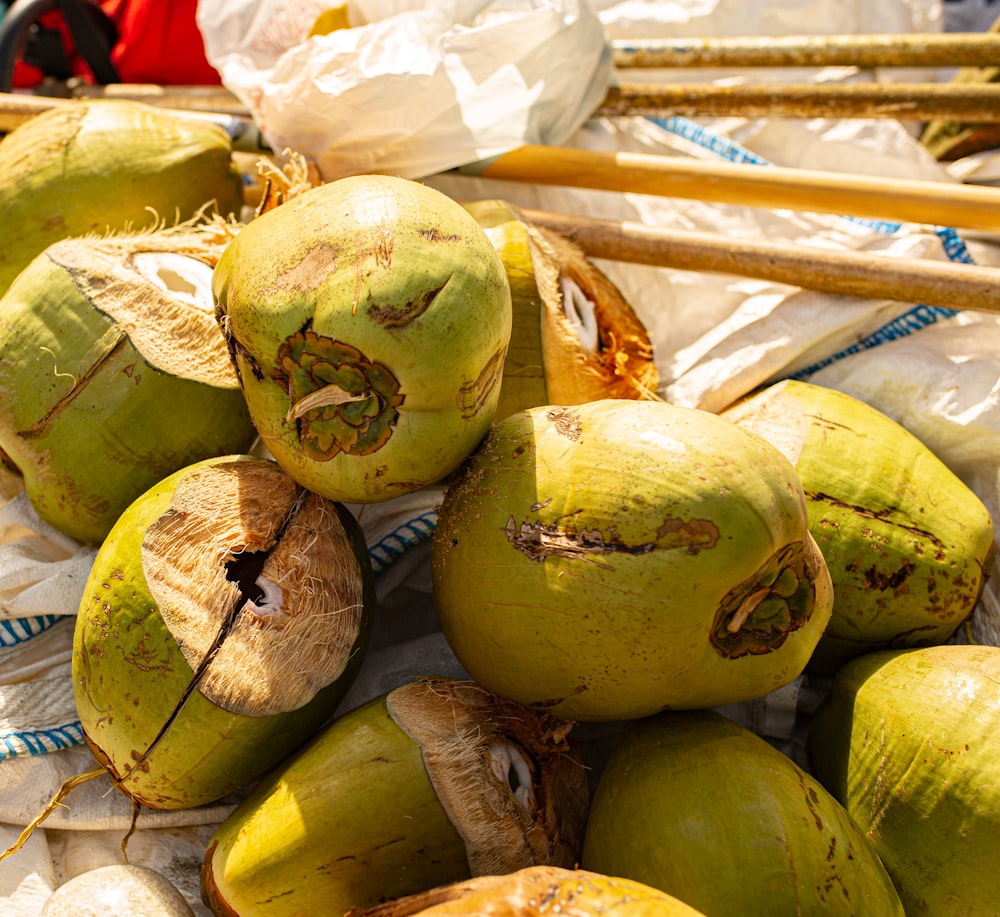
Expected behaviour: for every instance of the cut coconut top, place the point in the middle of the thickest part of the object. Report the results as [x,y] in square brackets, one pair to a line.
[594,344]
[512,785]
[259,583]
[156,287]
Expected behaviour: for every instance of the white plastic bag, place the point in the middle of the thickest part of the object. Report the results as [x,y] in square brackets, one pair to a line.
[412,87]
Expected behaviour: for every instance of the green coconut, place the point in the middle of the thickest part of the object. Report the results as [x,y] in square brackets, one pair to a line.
[565,892]
[368,319]
[108,164]
[574,337]
[706,810]
[907,742]
[113,372]
[907,543]
[434,782]
[223,620]
[613,559]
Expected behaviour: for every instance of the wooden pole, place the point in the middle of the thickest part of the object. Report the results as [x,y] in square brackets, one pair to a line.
[772,187]
[938,283]
[920,49]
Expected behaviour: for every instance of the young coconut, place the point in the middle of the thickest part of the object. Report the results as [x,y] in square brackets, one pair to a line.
[566,893]
[113,372]
[107,165]
[613,559]
[431,783]
[574,336]
[696,805]
[368,319]
[223,620]
[907,543]
[906,741]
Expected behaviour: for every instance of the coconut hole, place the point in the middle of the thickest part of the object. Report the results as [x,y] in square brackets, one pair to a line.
[258,594]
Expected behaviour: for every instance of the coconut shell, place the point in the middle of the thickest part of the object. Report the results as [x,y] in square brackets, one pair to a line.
[100,165]
[612,559]
[907,543]
[114,374]
[567,892]
[204,653]
[368,319]
[907,742]
[555,355]
[695,805]
[412,790]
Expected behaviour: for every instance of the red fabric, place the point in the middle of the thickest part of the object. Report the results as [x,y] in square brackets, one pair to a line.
[158,42]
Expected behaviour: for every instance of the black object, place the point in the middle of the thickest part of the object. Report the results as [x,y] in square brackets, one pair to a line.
[22,35]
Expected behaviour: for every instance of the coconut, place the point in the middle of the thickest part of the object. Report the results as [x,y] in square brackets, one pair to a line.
[574,336]
[907,543]
[368,319]
[108,164]
[435,781]
[616,558]
[224,618]
[907,742]
[117,889]
[708,811]
[113,372]
[566,892]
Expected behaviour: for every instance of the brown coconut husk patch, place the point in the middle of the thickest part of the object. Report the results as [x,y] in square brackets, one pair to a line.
[510,781]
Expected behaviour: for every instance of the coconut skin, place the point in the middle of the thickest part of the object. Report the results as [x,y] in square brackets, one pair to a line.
[906,741]
[400,795]
[566,892]
[107,164]
[613,559]
[186,692]
[907,543]
[705,810]
[368,320]
[550,360]
[108,383]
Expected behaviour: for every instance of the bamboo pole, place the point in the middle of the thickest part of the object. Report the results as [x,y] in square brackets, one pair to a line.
[905,101]
[937,283]
[921,49]
[773,187]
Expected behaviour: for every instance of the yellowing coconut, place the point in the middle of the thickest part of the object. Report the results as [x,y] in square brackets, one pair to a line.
[565,892]
[368,319]
[907,543]
[612,559]
[225,616]
[433,782]
[105,165]
[113,372]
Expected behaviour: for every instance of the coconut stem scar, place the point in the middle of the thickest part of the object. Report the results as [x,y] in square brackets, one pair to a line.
[321,398]
[747,608]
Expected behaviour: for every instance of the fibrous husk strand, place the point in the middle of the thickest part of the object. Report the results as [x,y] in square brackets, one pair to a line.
[508,777]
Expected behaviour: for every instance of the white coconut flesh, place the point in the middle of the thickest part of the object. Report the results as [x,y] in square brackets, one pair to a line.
[160,298]
[580,312]
[505,774]
[259,583]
